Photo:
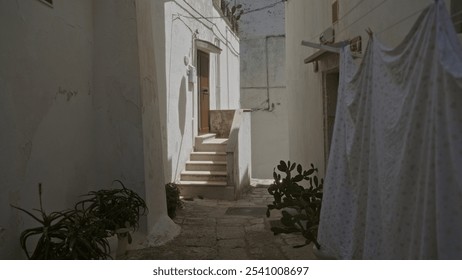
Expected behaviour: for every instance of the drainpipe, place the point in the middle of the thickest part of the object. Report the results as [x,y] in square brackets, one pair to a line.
[194,98]
[267,74]
[270,106]
[227,65]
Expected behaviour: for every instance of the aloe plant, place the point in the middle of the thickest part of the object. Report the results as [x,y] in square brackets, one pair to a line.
[117,208]
[68,234]
[301,207]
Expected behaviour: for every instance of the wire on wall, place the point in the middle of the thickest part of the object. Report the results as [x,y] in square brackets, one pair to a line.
[211,28]
[263,8]
[372,10]
[400,21]
[362,17]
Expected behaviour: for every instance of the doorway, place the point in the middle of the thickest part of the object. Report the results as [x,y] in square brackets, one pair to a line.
[331,82]
[203,71]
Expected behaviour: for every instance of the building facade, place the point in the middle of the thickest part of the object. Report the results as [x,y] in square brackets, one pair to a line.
[263,82]
[93,91]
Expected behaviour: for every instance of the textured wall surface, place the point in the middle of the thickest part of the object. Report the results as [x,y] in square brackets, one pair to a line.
[263,82]
[221,122]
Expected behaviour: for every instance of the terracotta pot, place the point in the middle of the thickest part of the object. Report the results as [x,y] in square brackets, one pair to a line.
[122,237]
[113,245]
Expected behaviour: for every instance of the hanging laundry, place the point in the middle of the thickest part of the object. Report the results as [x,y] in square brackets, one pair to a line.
[393,187]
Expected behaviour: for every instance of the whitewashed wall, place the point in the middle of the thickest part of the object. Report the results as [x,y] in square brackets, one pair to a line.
[263,82]
[305,20]
[116,99]
[184,23]
[70,109]
[45,110]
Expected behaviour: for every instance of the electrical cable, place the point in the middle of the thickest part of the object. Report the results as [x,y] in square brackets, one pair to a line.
[362,17]
[343,16]
[401,20]
[228,43]
[373,9]
[265,7]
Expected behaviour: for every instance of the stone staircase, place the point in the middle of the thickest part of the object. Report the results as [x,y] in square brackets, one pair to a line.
[205,174]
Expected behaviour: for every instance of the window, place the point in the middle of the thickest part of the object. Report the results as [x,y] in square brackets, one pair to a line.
[456,14]
[335,12]
[330,88]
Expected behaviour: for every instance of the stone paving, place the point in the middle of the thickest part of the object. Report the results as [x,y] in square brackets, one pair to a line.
[227,230]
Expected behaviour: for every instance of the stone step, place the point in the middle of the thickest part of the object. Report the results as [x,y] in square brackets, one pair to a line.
[204,137]
[217,184]
[206,166]
[223,141]
[208,156]
[204,176]
[213,145]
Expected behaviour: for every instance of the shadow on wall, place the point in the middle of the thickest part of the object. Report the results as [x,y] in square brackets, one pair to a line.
[182,101]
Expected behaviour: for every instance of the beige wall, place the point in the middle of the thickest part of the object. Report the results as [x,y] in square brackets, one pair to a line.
[305,20]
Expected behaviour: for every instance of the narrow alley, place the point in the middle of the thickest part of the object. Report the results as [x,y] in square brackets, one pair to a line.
[228,230]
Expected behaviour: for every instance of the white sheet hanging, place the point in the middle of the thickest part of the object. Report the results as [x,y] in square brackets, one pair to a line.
[394,180]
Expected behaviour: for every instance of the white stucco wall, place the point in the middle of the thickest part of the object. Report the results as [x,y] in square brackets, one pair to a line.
[263,82]
[305,20]
[116,99]
[45,110]
[71,110]
[184,22]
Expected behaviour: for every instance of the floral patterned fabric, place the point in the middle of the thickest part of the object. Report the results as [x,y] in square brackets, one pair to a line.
[393,186]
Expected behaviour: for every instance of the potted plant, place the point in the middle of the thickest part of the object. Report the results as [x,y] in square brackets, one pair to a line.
[68,234]
[118,209]
[172,192]
[301,207]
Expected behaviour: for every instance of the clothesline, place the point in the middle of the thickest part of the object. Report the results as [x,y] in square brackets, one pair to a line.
[373,9]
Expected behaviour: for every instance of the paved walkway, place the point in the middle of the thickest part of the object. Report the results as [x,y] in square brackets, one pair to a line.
[227,230]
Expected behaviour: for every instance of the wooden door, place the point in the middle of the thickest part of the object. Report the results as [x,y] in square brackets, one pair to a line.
[204,92]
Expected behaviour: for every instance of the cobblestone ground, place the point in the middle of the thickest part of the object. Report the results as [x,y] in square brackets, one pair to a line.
[227,230]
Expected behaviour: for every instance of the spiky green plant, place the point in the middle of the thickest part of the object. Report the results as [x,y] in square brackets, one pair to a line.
[117,209]
[305,203]
[68,234]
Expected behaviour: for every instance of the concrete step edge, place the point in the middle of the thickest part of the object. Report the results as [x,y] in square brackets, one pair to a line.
[201,173]
[203,183]
[206,162]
